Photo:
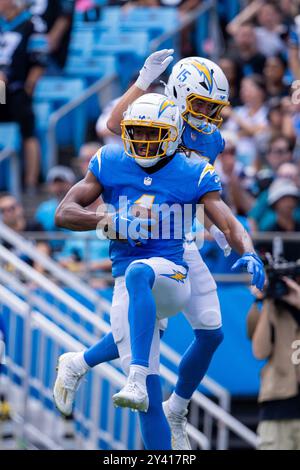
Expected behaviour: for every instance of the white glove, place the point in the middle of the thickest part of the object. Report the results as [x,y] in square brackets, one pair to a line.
[220,239]
[153,67]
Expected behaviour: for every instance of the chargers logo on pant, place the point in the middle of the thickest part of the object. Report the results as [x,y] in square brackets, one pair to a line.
[177,276]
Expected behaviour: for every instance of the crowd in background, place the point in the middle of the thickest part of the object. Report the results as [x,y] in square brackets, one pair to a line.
[260,166]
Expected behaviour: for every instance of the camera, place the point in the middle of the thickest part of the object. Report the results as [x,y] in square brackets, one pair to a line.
[276,270]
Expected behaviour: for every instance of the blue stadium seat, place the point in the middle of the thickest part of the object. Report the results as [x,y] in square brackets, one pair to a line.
[43,111]
[58,89]
[154,20]
[129,49]
[10,138]
[81,42]
[50,94]
[89,67]
[133,43]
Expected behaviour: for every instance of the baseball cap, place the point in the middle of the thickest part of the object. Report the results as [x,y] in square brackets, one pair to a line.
[280,188]
[62,173]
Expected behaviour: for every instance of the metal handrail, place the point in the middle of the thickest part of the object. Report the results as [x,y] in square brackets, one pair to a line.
[49,286]
[96,87]
[26,247]
[14,174]
[189,19]
[220,414]
[54,332]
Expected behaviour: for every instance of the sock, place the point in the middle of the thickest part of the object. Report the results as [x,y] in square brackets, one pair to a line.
[139,374]
[155,429]
[103,351]
[79,363]
[196,360]
[178,405]
[142,311]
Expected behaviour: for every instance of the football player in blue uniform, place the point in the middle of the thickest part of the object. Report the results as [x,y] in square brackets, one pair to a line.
[151,273]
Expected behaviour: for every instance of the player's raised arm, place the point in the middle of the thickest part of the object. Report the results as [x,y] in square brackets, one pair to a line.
[236,236]
[153,67]
[71,212]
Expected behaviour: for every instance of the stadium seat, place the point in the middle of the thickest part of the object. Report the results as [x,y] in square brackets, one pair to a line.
[155,21]
[81,42]
[50,94]
[122,43]
[58,89]
[42,111]
[130,50]
[10,139]
[89,67]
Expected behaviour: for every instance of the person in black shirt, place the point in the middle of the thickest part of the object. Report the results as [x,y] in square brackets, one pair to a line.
[20,68]
[243,51]
[54,18]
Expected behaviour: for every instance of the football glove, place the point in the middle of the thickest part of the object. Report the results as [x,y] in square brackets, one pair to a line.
[153,67]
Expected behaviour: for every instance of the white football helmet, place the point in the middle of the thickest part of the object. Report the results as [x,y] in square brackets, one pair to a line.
[195,79]
[159,116]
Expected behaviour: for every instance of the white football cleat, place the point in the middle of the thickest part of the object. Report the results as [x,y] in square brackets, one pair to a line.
[133,395]
[177,423]
[66,384]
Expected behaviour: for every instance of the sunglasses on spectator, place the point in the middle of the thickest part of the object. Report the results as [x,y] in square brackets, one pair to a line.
[279,150]
[229,150]
[8,208]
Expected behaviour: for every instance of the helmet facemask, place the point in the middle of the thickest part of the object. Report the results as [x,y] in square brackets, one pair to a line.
[200,121]
[147,141]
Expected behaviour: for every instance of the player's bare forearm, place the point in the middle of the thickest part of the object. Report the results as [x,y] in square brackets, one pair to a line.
[72,213]
[223,218]
[113,123]
[207,222]
[73,217]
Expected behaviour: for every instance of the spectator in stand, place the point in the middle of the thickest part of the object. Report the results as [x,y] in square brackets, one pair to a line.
[104,134]
[269,30]
[21,66]
[262,215]
[273,73]
[12,214]
[244,51]
[275,333]
[60,179]
[249,121]
[84,253]
[283,198]
[235,182]
[275,120]
[291,172]
[289,9]
[294,50]
[291,119]
[279,152]
[86,152]
[232,73]
[54,19]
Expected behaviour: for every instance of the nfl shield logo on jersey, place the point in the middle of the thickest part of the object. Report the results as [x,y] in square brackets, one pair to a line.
[147,181]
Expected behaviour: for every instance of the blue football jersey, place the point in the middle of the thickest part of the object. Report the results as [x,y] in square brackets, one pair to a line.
[179,182]
[207,145]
